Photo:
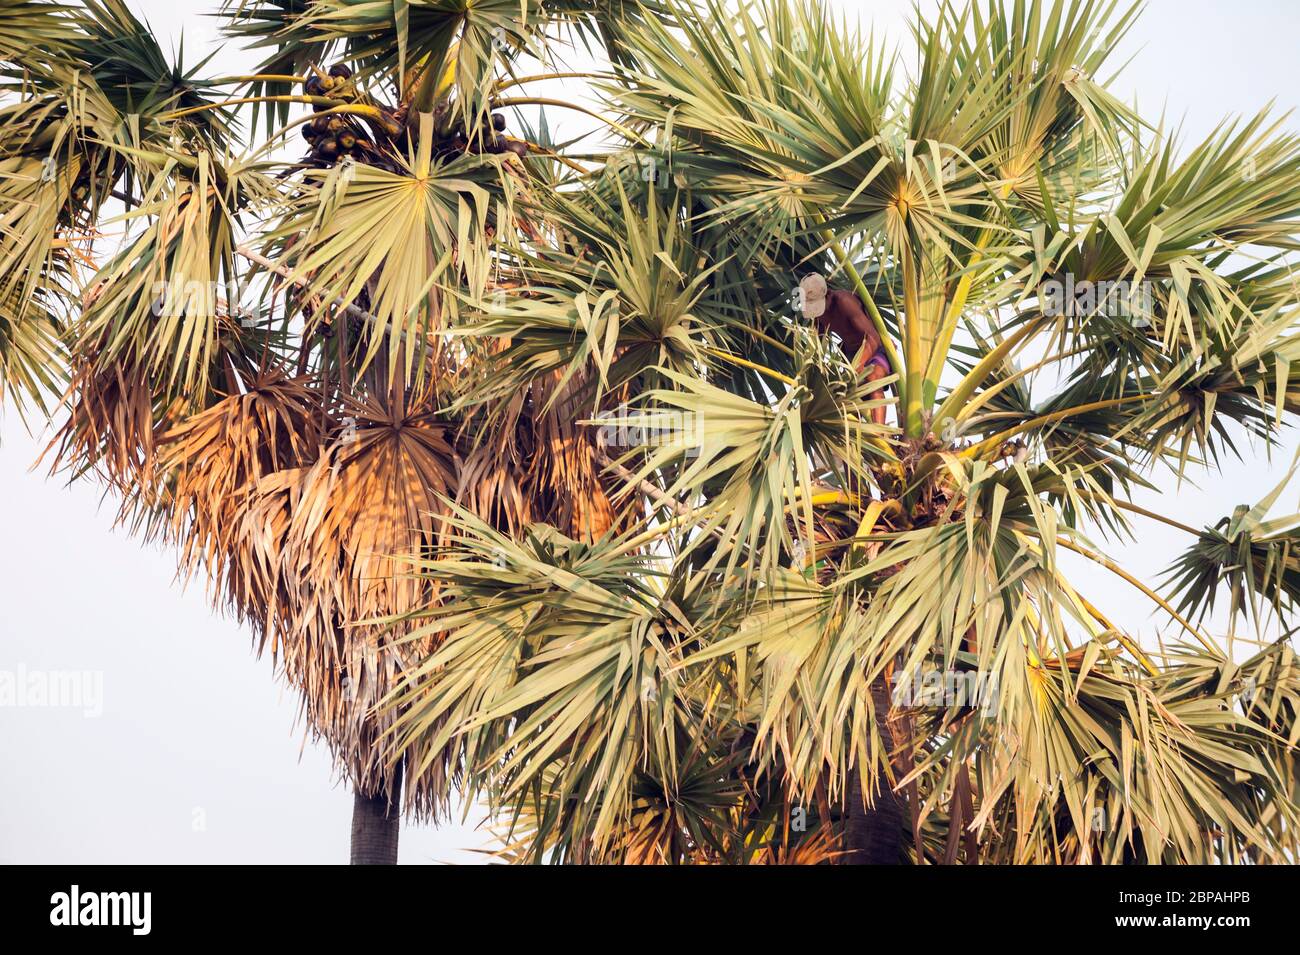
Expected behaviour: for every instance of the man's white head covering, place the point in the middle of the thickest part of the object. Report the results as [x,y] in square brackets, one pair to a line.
[812,299]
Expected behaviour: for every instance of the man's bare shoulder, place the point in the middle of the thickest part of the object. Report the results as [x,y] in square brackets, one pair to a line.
[849,307]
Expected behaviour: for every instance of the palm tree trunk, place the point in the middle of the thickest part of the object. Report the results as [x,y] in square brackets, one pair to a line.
[873,835]
[376,821]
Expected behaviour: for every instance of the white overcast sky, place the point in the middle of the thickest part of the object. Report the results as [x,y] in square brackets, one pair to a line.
[198,755]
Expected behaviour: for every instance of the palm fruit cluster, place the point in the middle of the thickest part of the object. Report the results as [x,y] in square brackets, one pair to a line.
[332,137]
[490,138]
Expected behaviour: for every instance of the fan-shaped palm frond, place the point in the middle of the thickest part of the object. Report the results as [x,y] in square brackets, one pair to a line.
[322,550]
[394,236]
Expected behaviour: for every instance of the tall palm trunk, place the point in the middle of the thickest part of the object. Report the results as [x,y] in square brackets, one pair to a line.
[873,834]
[376,821]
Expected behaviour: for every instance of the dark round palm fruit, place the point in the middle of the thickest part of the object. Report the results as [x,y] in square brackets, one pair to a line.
[498,122]
[518,147]
[315,86]
[336,124]
[497,144]
[341,71]
[328,148]
[308,133]
[347,142]
[321,125]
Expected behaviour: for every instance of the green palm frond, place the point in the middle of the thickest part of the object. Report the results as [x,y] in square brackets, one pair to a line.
[549,649]
[359,230]
[777,109]
[36,25]
[32,353]
[1052,55]
[1247,555]
[626,301]
[102,44]
[166,301]
[421,50]
[37,197]
[1108,769]
[756,460]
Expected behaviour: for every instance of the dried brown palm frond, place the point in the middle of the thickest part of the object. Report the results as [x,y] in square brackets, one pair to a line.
[565,470]
[533,458]
[119,409]
[495,442]
[372,498]
[821,847]
[256,589]
[214,460]
[115,418]
[495,470]
[319,558]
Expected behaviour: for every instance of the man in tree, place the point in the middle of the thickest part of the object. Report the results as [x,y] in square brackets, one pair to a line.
[842,312]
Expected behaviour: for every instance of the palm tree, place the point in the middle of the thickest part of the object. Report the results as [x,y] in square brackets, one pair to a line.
[254,367]
[535,466]
[773,664]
